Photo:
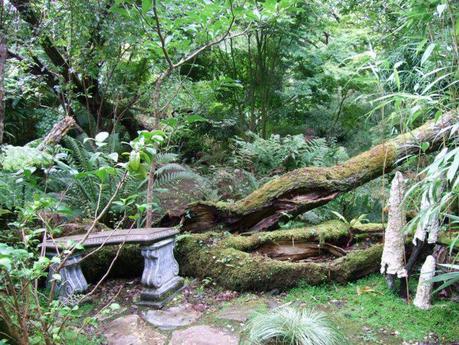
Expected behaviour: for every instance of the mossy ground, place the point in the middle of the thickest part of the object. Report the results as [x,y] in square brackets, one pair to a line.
[367,304]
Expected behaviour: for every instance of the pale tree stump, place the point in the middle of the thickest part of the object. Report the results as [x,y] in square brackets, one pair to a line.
[393,257]
[424,291]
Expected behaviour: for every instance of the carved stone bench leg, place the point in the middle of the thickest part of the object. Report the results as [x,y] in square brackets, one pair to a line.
[72,279]
[160,274]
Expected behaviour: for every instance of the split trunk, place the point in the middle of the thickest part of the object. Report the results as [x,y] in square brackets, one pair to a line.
[304,189]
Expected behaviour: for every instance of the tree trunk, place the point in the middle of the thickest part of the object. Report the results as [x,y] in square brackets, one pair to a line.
[57,132]
[304,189]
[278,259]
[150,186]
[424,290]
[2,79]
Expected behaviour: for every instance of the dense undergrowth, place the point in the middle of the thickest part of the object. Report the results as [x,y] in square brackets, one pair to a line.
[181,101]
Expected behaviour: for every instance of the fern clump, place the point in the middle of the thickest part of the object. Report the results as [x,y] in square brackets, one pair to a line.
[287,325]
[286,153]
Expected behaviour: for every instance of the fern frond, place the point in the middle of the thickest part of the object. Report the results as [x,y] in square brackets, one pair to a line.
[168,178]
[170,167]
[164,158]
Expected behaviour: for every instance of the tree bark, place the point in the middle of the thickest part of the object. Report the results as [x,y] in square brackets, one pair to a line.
[424,290]
[57,132]
[150,186]
[3,53]
[304,189]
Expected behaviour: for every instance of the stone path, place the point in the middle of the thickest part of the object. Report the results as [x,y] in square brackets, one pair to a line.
[132,330]
[239,312]
[178,325]
[171,318]
[203,335]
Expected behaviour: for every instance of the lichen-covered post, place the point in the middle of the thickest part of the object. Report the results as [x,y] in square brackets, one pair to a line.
[424,290]
[72,280]
[160,275]
[393,257]
[428,228]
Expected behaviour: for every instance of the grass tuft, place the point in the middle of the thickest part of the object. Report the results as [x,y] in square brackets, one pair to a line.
[287,325]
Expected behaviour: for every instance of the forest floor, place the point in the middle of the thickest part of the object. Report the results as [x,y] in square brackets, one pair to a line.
[365,311]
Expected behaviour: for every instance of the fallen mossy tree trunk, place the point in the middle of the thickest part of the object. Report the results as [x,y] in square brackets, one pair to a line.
[217,255]
[304,189]
[244,262]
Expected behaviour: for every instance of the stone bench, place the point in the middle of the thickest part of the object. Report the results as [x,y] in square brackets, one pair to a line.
[160,274]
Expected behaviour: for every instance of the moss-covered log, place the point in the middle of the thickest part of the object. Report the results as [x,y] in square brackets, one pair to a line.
[232,262]
[306,188]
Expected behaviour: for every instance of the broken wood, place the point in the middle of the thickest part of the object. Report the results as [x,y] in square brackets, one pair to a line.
[246,263]
[304,189]
[57,132]
[424,290]
[393,257]
[293,252]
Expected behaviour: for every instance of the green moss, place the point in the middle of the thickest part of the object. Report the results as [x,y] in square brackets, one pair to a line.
[368,227]
[229,267]
[357,264]
[340,178]
[327,231]
[381,309]
[225,259]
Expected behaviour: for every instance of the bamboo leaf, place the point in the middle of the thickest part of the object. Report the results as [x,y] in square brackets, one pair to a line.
[427,53]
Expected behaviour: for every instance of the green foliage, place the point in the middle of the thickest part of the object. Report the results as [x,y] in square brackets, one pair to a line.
[293,326]
[87,177]
[16,189]
[46,119]
[29,314]
[90,173]
[15,158]
[440,187]
[290,152]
